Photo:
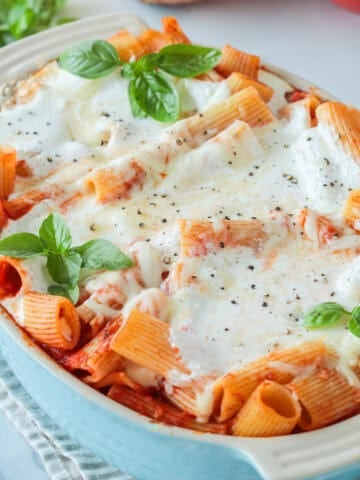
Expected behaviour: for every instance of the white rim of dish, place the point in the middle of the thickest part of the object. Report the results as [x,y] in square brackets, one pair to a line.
[292,457]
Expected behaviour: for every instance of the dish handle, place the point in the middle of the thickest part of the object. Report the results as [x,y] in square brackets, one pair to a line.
[303,455]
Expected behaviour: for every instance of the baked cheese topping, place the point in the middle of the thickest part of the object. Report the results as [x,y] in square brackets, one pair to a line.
[233,305]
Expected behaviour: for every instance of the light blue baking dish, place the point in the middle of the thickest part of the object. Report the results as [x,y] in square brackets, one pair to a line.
[138,446]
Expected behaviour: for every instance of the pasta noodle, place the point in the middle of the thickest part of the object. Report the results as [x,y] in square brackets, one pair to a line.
[117,378]
[352,210]
[96,358]
[233,60]
[325,397]
[17,207]
[346,123]
[51,320]
[246,105]
[171,27]
[110,185]
[271,410]
[13,278]
[238,81]
[144,340]
[201,237]
[154,40]
[7,171]
[127,45]
[325,229]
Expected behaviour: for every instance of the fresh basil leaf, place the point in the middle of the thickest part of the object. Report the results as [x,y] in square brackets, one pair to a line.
[354,322]
[128,70]
[157,97]
[20,19]
[102,254]
[323,315]
[72,293]
[147,63]
[135,108]
[91,59]
[65,268]
[21,245]
[55,234]
[186,61]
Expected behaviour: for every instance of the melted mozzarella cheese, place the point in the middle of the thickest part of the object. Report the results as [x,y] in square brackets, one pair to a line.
[240,305]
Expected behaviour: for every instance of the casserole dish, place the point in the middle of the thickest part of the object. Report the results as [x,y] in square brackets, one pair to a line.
[124,438]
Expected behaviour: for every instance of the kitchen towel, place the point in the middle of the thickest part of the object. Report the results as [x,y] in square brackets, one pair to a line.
[63,457]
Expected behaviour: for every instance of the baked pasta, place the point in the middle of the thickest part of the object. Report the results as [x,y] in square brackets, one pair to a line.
[180,230]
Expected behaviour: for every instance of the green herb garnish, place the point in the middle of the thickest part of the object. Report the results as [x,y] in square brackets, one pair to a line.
[151,92]
[64,263]
[21,18]
[330,313]
[90,59]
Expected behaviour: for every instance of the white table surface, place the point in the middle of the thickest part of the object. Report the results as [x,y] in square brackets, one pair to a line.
[312,38]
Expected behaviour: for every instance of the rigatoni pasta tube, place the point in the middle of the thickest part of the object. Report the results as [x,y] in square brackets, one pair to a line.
[154,41]
[145,340]
[171,27]
[232,390]
[345,123]
[51,320]
[238,81]
[94,321]
[127,45]
[233,60]
[325,397]
[96,357]
[199,237]
[308,107]
[13,278]
[7,170]
[110,185]
[17,207]
[271,410]
[352,210]
[211,76]
[246,105]
[185,399]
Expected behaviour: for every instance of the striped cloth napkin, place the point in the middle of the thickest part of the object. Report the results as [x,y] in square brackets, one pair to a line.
[63,457]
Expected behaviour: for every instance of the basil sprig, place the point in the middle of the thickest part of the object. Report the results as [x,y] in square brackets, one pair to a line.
[329,313]
[64,263]
[151,93]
